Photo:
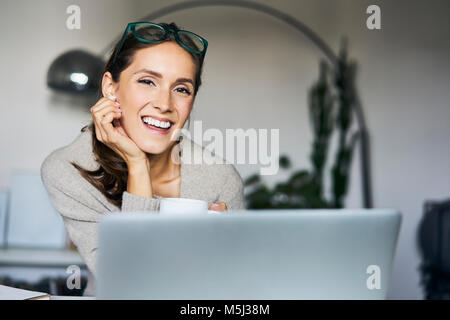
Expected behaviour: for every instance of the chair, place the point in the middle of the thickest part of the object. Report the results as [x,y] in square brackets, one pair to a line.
[434,245]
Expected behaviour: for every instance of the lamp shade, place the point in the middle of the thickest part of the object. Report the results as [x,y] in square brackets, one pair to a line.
[75,72]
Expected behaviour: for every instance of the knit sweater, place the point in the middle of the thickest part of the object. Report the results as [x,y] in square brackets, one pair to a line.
[81,204]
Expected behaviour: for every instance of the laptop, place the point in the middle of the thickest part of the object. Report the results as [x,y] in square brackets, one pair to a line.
[247,254]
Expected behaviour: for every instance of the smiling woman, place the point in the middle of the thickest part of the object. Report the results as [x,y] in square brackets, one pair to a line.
[124,160]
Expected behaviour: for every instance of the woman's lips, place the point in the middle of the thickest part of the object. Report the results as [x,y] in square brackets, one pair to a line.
[157,130]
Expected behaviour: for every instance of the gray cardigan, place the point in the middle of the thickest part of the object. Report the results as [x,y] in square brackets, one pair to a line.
[81,205]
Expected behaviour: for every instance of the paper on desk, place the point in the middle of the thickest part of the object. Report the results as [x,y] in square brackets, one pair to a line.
[10,293]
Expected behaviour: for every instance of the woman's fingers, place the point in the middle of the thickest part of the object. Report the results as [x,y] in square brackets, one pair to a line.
[101,112]
[107,126]
[102,103]
[218,206]
[106,115]
[102,107]
[101,123]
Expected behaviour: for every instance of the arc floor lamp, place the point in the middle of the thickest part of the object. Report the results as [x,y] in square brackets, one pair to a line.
[78,72]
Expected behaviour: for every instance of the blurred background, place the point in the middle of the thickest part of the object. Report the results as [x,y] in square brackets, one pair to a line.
[258,73]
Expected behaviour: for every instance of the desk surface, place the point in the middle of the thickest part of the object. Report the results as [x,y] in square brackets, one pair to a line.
[39,257]
[71,298]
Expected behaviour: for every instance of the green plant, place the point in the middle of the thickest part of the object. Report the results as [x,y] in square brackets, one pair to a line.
[331,100]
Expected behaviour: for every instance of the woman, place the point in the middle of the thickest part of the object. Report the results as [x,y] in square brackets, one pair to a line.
[123,161]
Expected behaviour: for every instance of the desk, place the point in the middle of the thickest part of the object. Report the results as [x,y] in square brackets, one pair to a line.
[32,265]
[70,298]
[26,257]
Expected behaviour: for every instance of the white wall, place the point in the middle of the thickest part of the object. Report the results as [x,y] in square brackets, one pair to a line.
[257,72]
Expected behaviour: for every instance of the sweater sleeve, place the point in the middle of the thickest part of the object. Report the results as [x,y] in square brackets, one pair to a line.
[132,202]
[232,192]
[80,206]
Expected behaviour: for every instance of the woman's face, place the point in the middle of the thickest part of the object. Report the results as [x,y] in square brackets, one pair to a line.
[157,85]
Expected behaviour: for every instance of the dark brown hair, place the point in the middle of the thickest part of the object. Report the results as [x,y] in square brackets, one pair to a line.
[112,175]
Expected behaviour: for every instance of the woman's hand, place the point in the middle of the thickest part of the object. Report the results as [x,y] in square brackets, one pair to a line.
[219,206]
[106,114]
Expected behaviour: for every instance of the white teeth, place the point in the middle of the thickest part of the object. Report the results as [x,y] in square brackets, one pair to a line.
[156,123]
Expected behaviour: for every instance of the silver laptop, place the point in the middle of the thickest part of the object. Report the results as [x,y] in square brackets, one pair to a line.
[249,254]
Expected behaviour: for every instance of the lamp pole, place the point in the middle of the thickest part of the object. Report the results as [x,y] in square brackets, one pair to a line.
[318,42]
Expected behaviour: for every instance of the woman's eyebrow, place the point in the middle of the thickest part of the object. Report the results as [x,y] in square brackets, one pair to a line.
[159,75]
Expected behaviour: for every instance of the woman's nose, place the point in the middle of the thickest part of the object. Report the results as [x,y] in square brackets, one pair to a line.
[164,103]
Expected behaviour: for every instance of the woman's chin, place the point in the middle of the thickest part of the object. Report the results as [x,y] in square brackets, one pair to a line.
[153,148]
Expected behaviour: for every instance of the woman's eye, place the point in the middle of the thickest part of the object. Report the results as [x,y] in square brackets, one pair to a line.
[146,81]
[184,90]
[150,82]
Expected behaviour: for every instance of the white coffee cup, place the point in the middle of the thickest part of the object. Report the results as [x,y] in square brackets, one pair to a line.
[183,206]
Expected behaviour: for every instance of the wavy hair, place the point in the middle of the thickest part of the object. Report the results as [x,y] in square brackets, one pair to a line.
[112,175]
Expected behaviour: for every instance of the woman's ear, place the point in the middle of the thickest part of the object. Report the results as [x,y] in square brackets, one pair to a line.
[108,85]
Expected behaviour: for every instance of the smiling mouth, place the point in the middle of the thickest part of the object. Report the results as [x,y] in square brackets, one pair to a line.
[156,125]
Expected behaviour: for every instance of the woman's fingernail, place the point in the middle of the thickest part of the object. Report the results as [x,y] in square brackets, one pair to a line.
[112,97]
[117,104]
